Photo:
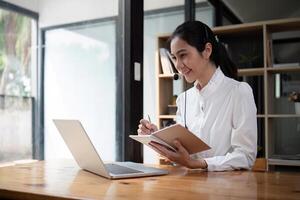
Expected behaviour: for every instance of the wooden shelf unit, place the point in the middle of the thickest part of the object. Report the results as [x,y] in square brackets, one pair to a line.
[251,72]
[282,115]
[283,162]
[264,69]
[283,69]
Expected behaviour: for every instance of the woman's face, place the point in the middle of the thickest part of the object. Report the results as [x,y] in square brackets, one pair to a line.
[188,60]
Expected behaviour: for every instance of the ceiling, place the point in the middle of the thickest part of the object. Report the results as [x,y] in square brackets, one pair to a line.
[259,10]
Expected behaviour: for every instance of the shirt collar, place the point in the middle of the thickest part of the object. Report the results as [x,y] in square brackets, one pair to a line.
[212,85]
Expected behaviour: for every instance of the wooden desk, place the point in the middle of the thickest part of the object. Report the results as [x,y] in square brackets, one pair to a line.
[63,179]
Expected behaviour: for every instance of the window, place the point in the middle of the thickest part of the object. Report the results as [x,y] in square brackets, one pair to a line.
[80,83]
[17,84]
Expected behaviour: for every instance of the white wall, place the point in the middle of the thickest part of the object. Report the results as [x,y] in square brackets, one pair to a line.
[158,4]
[55,12]
[68,11]
[32,5]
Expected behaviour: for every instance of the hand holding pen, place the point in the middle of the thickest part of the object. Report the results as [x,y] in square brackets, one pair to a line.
[146,127]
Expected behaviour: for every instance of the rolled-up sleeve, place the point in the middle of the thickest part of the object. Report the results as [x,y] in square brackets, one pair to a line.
[242,153]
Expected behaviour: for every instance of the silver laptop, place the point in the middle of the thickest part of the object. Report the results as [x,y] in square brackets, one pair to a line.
[88,159]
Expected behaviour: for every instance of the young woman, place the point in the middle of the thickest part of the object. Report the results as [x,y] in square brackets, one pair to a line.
[219,110]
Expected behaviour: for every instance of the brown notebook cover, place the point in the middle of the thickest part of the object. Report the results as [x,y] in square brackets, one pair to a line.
[191,142]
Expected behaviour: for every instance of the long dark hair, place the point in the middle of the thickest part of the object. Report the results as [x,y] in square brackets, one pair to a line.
[197,34]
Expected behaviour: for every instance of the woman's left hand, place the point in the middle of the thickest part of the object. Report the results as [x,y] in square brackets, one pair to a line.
[181,156]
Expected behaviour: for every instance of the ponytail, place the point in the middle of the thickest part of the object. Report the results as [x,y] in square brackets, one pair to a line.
[197,34]
[222,59]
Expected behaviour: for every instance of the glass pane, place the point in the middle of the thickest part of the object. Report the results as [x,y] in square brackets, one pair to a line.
[17,66]
[285,136]
[80,83]
[286,49]
[15,138]
[284,86]
[17,36]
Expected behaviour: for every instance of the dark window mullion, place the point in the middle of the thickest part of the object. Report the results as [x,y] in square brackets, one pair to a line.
[189,10]
[129,91]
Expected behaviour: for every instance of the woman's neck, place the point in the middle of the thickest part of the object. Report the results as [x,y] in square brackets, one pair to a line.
[206,75]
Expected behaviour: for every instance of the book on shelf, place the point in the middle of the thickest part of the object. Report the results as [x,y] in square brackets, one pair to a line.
[174,70]
[167,64]
[166,137]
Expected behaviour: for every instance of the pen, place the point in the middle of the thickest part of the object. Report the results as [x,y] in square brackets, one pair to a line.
[149,122]
[149,119]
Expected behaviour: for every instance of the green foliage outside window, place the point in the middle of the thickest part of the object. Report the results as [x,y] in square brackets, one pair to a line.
[15,54]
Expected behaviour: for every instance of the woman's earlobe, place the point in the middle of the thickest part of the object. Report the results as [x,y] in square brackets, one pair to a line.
[205,54]
[207,50]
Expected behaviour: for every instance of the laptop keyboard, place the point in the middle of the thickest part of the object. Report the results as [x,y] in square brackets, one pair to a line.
[117,169]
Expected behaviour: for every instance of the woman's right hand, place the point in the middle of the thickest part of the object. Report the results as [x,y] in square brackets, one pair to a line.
[146,128]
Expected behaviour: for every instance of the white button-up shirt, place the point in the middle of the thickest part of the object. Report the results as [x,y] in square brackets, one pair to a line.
[223,115]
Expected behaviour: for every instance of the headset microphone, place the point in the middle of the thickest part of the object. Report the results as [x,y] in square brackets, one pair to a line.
[176,76]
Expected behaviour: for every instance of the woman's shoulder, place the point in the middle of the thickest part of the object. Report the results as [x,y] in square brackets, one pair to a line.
[240,88]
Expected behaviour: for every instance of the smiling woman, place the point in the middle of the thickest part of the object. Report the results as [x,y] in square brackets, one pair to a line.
[218,109]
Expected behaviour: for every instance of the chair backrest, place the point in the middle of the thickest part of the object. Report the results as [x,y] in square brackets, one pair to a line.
[260,165]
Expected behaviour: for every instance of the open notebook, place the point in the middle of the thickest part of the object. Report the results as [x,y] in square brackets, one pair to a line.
[166,137]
